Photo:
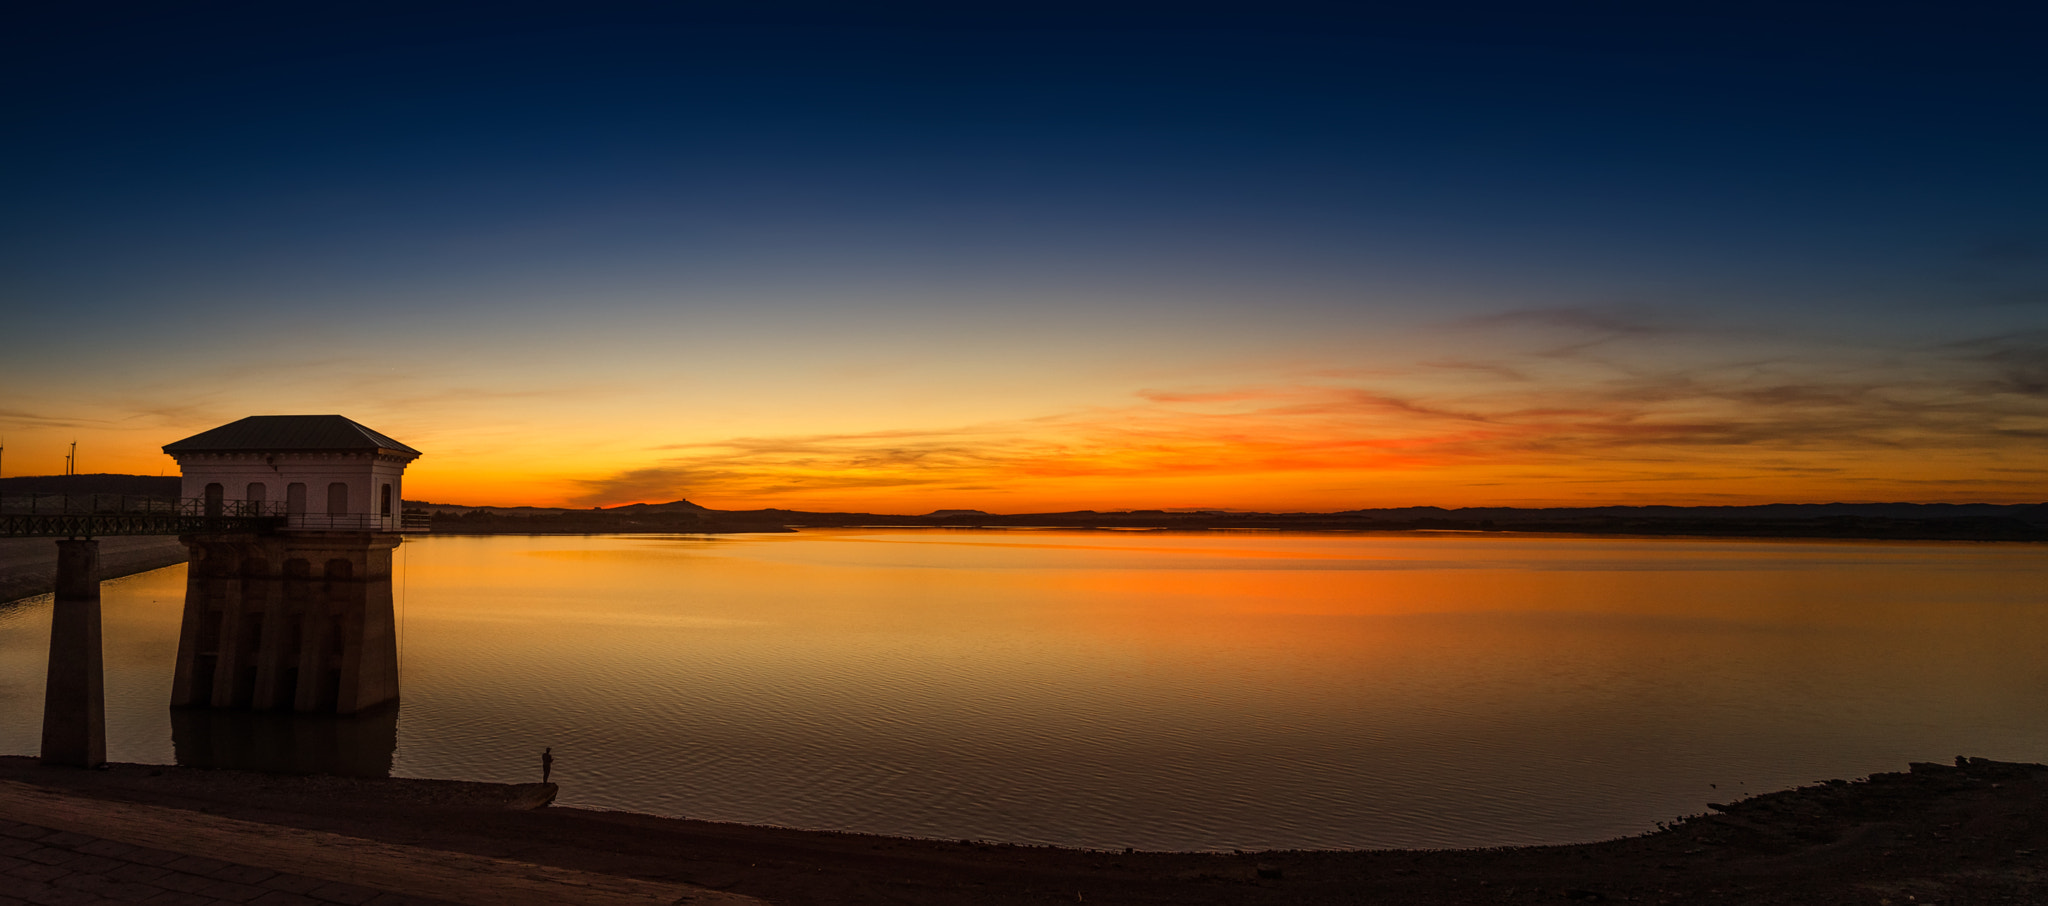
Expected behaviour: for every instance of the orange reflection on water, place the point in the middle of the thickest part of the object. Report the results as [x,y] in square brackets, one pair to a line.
[1213,690]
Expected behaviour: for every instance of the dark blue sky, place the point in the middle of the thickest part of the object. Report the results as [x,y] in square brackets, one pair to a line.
[1183,179]
[1893,143]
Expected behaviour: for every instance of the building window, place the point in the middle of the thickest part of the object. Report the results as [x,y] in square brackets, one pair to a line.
[295,498]
[257,493]
[384,501]
[337,499]
[214,495]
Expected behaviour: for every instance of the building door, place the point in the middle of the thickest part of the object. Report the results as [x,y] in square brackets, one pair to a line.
[337,499]
[214,496]
[295,498]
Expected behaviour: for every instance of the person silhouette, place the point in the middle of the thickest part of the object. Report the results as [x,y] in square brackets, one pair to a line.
[547,763]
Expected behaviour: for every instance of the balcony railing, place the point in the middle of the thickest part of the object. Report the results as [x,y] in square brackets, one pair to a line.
[356,522]
[126,505]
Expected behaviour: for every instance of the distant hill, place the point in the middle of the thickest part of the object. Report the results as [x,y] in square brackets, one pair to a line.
[677,516]
[97,483]
[673,506]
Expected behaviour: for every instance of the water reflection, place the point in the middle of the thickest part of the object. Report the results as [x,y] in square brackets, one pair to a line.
[359,745]
[1159,691]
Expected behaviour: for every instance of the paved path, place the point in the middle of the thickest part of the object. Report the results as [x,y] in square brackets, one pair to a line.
[47,867]
[28,566]
[59,850]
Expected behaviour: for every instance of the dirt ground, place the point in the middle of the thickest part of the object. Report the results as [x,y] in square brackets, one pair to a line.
[1974,832]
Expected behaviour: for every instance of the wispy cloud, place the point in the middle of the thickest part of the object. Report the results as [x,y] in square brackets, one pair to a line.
[1831,419]
[22,418]
[769,466]
[2014,362]
[1595,320]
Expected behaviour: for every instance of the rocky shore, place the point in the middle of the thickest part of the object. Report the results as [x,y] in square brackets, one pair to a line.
[1975,831]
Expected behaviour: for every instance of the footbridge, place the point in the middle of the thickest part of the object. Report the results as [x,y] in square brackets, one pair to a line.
[101,515]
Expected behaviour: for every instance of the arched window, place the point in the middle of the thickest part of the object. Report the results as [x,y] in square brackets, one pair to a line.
[337,499]
[295,498]
[257,493]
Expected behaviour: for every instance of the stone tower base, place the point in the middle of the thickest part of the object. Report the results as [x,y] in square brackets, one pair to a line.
[300,621]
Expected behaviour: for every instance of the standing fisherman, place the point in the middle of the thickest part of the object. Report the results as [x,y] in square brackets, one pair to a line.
[547,763]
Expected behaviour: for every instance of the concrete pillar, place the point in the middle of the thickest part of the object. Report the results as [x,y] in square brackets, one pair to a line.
[227,661]
[198,635]
[74,695]
[274,646]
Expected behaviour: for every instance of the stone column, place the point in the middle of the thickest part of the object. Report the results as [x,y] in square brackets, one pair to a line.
[74,696]
[199,634]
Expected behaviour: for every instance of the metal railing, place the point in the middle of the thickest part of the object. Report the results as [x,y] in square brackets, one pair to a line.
[124,504]
[356,522]
[86,515]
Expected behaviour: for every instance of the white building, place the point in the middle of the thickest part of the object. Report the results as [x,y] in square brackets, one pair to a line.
[325,472]
[296,619]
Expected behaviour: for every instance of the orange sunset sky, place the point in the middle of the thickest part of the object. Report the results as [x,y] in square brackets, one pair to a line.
[1536,409]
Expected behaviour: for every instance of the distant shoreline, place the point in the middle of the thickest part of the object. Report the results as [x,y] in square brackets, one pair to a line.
[1862,521]
[27,565]
[1842,528]
[1867,521]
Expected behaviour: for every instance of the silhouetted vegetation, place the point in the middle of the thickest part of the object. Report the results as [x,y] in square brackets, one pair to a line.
[487,522]
[97,483]
[1959,522]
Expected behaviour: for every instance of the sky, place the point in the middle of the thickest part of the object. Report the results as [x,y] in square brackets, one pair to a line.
[1040,257]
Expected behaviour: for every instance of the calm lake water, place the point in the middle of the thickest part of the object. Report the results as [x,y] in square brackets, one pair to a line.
[1194,691]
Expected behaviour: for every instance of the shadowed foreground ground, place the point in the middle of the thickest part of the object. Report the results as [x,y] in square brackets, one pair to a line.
[1974,832]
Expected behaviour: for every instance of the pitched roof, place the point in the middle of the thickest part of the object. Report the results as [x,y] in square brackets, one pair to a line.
[282,433]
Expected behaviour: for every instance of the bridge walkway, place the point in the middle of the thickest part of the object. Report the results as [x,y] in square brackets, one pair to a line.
[103,515]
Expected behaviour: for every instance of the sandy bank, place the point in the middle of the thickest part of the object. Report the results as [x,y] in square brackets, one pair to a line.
[1974,833]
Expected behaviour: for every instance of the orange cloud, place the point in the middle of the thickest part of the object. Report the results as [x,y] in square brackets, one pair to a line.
[1699,434]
